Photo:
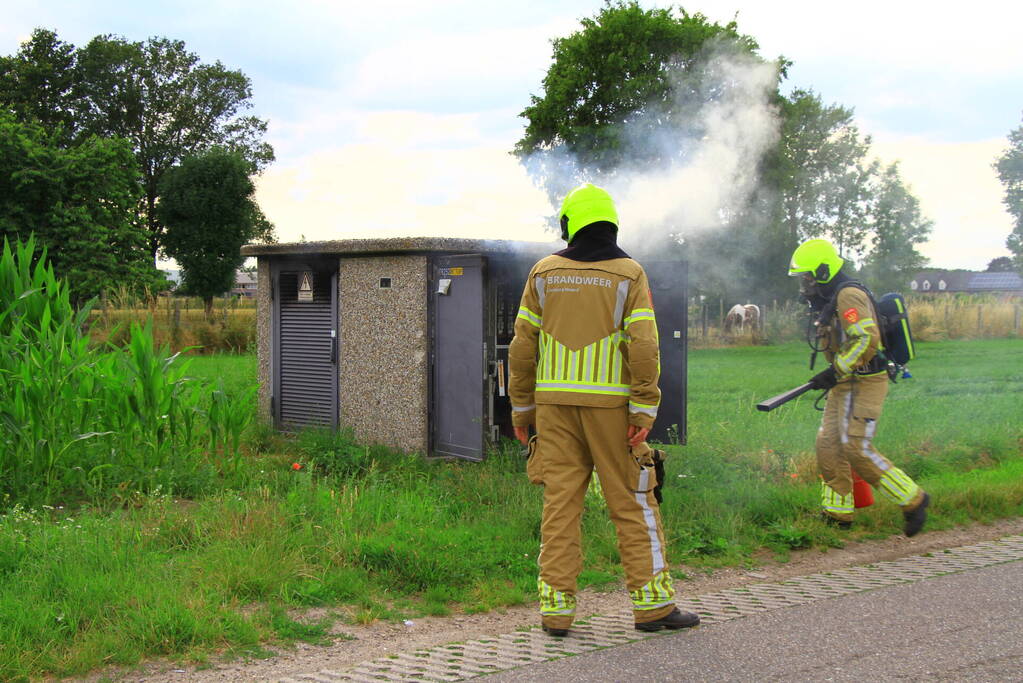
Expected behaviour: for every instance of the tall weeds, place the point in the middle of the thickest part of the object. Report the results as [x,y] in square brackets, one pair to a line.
[80,422]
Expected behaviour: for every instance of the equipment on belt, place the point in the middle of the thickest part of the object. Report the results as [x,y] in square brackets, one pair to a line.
[659,457]
[653,458]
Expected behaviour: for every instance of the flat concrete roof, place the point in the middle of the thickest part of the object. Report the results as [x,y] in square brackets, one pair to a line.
[398,245]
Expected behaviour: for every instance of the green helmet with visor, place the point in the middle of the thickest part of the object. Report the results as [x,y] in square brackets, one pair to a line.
[818,258]
[585,205]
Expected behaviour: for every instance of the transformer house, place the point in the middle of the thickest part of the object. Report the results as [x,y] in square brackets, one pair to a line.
[406,340]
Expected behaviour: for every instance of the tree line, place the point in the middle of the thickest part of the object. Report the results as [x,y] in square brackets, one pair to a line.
[630,67]
[119,151]
[1009,166]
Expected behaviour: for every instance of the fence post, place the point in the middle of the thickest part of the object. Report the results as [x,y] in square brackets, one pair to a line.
[980,319]
[1016,318]
[705,315]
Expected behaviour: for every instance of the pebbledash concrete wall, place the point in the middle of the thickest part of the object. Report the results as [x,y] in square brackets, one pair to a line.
[264,312]
[384,349]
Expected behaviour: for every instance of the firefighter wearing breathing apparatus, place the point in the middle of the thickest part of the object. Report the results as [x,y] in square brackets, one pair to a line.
[584,368]
[857,382]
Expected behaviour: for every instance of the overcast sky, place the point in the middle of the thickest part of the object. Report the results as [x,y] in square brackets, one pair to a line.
[396,117]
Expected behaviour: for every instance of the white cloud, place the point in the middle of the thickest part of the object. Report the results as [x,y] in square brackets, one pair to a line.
[982,38]
[451,70]
[960,191]
[383,186]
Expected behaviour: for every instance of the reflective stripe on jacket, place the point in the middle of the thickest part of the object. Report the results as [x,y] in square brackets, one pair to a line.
[585,335]
[860,338]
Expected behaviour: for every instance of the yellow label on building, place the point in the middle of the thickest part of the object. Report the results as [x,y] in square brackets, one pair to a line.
[455,271]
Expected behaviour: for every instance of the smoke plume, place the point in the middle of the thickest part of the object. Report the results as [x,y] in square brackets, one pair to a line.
[691,162]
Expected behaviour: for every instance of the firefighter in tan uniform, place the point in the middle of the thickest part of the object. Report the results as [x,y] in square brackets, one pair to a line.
[857,383]
[584,368]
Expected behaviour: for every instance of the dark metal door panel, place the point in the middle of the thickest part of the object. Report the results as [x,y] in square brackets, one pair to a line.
[306,348]
[459,364]
[669,285]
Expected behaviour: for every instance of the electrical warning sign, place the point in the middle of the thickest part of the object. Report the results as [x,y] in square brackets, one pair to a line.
[305,286]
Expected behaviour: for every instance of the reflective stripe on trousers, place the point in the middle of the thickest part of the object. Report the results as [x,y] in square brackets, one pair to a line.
[833,501]
[553,601]
[897,487]
[658,593]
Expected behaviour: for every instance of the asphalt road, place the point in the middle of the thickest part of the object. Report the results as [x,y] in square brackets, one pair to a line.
[959,627]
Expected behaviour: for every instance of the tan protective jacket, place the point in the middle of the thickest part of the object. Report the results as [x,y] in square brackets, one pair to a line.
[585,335]
[853,337]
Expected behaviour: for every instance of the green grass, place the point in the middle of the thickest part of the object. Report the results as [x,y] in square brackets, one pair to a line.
[237,372]
[374,534]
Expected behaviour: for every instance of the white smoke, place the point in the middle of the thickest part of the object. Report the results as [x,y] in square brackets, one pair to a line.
[721,123]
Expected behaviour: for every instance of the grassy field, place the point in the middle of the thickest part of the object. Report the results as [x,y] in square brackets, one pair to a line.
[374,534]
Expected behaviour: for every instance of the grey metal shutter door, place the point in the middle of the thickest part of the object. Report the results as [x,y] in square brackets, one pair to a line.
[459,370]
[308,353]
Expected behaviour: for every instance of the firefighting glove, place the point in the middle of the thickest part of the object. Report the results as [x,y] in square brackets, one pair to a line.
[825,379]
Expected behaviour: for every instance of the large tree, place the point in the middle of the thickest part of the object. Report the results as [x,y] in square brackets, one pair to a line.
[614,87]
[39,85]
[897,226]
[80,204]
[644,90]
[1010,170]
[206,203]
[155,94]
[824,173]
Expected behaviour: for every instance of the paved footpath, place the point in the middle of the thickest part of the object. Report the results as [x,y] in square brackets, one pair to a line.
[954,615]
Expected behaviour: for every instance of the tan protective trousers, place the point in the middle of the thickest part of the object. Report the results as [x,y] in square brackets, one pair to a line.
[845,440]
[572,441]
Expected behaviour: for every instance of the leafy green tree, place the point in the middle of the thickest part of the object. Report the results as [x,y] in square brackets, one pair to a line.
[1002,264]
[626,91]
[206,203]
[1010,170]
[825,175]
[38,84]
[612,86]
[897,226]
[155,94]
[80,204]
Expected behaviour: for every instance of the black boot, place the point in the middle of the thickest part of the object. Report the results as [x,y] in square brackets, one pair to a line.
[916,517]
[677,619]
[842,524]
[556,632]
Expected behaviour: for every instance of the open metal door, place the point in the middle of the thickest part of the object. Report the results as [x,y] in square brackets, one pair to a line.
[305,345]
[670,288]
[459,357]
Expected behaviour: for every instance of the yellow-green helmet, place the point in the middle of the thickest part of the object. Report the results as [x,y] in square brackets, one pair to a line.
[585,205]
[817,257]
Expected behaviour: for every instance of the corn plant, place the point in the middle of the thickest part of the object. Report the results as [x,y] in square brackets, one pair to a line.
[81,421]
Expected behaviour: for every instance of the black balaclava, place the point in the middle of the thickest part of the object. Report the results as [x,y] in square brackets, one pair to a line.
[828,289]
[596,242]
